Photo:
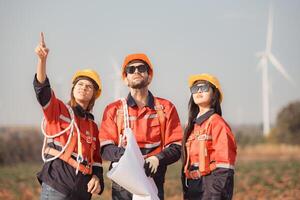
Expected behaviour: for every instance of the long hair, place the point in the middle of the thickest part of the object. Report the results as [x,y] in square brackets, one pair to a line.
[193,110]
[72,102]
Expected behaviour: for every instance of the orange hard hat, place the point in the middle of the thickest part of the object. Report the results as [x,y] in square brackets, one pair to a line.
[137,56]
[92,75]
[206,77]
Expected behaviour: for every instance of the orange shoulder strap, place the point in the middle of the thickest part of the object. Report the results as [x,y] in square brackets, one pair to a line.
[93,146]
[120,120]
[204,161]
[162,120]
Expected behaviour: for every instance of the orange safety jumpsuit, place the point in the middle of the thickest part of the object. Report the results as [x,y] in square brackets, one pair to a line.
[210,147]
[153,137]
[60,173]
[58,118]
[145,124]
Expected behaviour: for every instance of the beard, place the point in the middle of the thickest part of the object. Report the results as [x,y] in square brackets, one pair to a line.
[138,85]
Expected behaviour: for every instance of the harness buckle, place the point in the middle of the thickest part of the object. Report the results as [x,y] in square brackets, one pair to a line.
[158,107]
[79,159]
[203,137]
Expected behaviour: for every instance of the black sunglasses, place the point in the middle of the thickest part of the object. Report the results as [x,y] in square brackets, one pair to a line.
[140,68]
[199,88]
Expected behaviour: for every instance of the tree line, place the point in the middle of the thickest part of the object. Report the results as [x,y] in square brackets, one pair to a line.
[24,144]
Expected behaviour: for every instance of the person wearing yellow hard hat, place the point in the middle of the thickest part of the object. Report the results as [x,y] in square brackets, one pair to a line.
[154,122]
[208,145]
[72,164]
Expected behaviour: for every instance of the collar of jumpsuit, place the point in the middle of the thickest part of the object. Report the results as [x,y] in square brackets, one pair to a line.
[79,111]
[150,101]
[199,120]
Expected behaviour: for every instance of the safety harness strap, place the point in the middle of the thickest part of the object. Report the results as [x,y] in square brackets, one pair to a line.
[82,168]
[202,136]
[93,146]
[120,119]
[203,157]
[67,150]
[162,121]
[188,144]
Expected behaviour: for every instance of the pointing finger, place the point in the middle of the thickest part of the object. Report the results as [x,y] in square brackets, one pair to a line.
[42,39]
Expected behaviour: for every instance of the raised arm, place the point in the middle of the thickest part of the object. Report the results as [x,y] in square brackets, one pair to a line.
[42,52]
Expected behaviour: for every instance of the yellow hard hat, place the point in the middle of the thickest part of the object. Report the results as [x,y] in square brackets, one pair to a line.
[136,56]
[92,75]
[206,77]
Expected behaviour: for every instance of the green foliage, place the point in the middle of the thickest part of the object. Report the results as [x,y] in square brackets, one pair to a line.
[287,129]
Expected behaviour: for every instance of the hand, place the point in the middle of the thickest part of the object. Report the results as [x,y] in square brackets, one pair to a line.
[41,50]
[94,186]
[151,165]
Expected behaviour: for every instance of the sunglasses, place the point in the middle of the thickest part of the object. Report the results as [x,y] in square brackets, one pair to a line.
[199,88]
[140,68]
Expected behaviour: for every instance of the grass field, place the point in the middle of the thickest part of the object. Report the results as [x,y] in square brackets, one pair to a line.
[262,172]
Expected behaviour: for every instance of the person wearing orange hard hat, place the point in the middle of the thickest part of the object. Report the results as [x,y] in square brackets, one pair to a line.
[209,147]
[72,164]
[154,122]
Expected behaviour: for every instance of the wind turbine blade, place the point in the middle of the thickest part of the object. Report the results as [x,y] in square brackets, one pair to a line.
[279,67]
[270,29]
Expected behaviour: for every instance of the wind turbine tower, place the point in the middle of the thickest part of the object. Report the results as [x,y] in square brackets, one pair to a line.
[117,80]
[266,57]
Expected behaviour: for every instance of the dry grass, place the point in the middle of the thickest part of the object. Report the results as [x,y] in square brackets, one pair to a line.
[262,172]
[269,152]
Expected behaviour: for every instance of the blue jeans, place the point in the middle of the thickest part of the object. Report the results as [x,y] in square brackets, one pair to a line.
[48,193]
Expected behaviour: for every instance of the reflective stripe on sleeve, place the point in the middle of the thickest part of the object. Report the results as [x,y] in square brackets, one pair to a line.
[64,118]
[106,142]
[153,145]
[225,165]
[178,143]
[96,164]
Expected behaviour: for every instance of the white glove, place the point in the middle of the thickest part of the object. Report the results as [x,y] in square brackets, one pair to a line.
[153,163]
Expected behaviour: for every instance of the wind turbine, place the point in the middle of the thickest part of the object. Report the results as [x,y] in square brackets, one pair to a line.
[265,57]
[117,77]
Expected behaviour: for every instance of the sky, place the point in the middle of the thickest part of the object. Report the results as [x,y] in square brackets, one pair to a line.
[181,38]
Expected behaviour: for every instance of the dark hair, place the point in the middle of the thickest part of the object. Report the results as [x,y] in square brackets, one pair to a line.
[193,110]
[73,102]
